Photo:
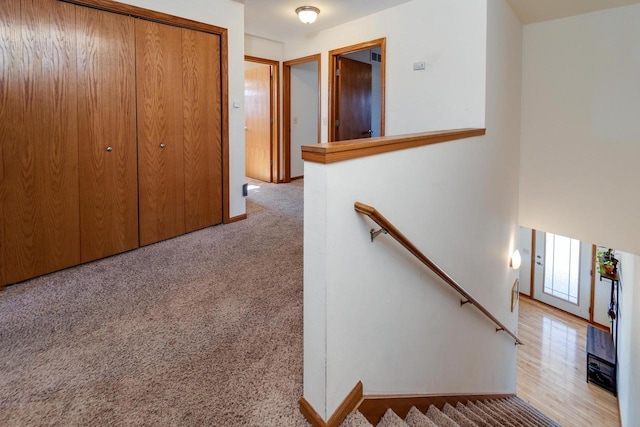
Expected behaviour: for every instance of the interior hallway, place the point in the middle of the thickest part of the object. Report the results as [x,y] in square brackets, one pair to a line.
[552,368]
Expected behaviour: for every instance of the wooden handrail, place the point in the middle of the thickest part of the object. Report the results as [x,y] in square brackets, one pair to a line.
[401,238]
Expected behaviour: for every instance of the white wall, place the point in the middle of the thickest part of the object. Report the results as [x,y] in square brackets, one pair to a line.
[230,15]
[445,34]
[304,112]
[263,48]
[629,341]
[372,313]
[580,110]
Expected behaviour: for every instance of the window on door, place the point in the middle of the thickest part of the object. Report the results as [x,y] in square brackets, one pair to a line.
[562,267]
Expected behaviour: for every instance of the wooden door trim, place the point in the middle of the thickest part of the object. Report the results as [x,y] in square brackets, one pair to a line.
[275,113]
[164,18]
[533,261]
[593,283]
[148,14]
[333,86]
[286,108]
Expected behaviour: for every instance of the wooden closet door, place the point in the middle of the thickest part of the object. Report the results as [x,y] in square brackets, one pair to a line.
[160,131]
[107,133]
[39,220]
[202,129]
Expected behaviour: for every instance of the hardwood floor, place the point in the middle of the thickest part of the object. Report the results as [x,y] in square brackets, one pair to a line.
[552,369]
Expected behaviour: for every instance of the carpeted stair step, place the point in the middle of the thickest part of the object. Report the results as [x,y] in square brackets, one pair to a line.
[510,412]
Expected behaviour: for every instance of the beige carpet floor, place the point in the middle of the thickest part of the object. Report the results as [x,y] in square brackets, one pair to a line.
[202,329]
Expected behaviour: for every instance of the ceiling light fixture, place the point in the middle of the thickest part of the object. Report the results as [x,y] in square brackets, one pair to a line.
[307,14]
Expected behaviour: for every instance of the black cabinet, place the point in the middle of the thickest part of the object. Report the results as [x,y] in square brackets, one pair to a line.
[601,359]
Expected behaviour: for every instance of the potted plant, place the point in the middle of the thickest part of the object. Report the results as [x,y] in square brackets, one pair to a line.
[608,267]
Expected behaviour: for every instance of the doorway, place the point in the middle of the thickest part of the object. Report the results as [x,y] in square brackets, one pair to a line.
[261,119]
[301,111]
[357,91]
[562,273]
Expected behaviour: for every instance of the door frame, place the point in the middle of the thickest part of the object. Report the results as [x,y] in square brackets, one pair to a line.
[140,12]
[286,108]
[592,280]
[275,113]
[333,84]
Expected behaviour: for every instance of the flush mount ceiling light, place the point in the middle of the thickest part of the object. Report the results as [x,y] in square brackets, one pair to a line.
[307,14]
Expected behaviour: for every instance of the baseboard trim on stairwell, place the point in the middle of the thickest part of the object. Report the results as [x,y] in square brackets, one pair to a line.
[350,403]
[374,407]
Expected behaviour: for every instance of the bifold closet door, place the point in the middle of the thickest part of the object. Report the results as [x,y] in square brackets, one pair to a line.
[39,219]
[202,129]
[107,133]
[160,131]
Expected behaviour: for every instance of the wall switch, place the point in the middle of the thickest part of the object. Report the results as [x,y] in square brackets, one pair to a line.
[236,104]
[419,66]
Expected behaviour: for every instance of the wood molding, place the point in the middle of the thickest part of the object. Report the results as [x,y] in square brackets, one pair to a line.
[286,108]
[152,15]
[275,113]
[356,148]
[333,65]
[236,219]
[139,12]
[374,407]
[533,261]
[593,283]
[348,405]
[600,326]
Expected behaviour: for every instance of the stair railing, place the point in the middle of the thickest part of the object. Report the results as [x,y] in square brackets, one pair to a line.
[388,228]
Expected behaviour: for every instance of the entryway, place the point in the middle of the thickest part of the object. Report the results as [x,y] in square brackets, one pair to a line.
[357,91]
[301,111]
[261,119]
[560,272]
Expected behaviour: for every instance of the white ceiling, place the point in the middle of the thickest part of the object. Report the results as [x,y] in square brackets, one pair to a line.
[530,11]
[277,20]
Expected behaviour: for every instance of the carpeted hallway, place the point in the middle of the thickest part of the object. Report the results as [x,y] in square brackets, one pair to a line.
[203,329]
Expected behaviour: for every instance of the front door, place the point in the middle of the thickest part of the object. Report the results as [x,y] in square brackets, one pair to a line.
[354,100]
[562,274]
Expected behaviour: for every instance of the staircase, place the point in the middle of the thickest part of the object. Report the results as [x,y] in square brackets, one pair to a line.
[511,411]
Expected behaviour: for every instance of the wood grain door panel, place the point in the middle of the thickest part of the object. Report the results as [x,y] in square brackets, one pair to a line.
[160,131]
[257,111]
[39,219]
[202,129]
[107,133]
[354,100]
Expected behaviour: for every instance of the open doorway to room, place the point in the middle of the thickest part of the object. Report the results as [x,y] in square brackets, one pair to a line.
[261,119]
[301,111]
[357,91]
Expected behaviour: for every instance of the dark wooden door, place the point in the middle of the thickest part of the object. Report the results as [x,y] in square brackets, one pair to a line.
[354,100]
[202,129]
[107,131]
[39,219]
[257,112]
[160,131]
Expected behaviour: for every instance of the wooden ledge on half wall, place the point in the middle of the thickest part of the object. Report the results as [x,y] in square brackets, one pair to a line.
[346,150]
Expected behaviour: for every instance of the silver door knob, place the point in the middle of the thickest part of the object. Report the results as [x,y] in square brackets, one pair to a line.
[109,149]
[161,145]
